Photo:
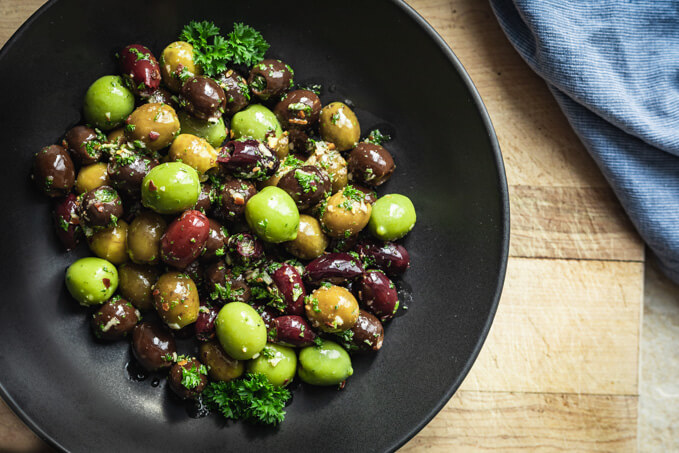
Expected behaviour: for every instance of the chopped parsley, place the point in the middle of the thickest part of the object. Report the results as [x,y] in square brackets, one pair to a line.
[377,138]
[307,181]
[191,377]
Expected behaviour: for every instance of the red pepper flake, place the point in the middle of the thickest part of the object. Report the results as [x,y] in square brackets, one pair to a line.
[156,292]
[152,186]
[106,282]
[153,135]
[166,306]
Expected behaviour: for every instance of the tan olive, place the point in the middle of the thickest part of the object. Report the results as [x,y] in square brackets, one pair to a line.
[176,64]
[111,243]
[332,309]
[156,125]
[91,177]
[311,242]
[339,125]
[136,283]
[220,365]
[175,297]
[143,237]
[195,152]
[346,213]
[117,136]
[333,163]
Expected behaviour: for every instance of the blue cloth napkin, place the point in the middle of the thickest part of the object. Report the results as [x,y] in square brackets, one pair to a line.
[613,67]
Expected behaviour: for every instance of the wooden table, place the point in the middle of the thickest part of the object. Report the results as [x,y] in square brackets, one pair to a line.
[559,370]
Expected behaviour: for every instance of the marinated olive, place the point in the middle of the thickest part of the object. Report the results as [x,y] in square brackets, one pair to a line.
[187,378]
[107,102]
[256,122]
[235,194]
[205,324]
[332,309]
[248,159]
[84,144]
[215,246]
[195,152]
[170,188]
[196,273]
[307,185]
[335,268]
[220,365]
[176,64]
[205,198]
[155,125]
[298,109]
[175,297]
[66,221]
[153,345]
[393,216]
[244,249]
[140,69]
[378,294]
[346,213]
[292,331]
[222,286]
[91,281]
[370,164]
[127,169]
[110,243]
[100,207]
[327,364]
[366,335]
[370,194]
[389,257]
[287,164]
[277,363]
[333,163]
[143,237]
[184,239]
[236,89]
[53,171]
[270,78]
[289,284]
[339,125]
[214,132]
[116,136]
[299,142]
[240,330]
[203,98]
[272,215]
[136,284]
[162,96]
[92,177]
[310,242]
[114,320]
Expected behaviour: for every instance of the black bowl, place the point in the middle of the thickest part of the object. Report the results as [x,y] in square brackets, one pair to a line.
[400,75]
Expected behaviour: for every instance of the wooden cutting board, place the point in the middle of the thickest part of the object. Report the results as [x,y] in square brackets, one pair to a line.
[559,370]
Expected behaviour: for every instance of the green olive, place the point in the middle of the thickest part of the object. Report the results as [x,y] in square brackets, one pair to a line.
[332,309]
[91,177]
[195,152]
[214,132]
[277,363]
[175,297]
[310,242]
[333,163]
[339,125]
[220,365]
[110,243]
[154,124]
[255,122]
[136,284]
[240,330]
[393,216]
[346,213]
[170,188]
[143,237]
[108,102]
[272,214]
[92,281]
[176,63]
[327,364]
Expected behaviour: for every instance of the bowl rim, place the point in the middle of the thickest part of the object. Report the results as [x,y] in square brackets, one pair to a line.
[504,195]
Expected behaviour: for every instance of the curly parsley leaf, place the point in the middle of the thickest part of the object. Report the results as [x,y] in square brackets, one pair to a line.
[377,138]
[246,44]
[191,377]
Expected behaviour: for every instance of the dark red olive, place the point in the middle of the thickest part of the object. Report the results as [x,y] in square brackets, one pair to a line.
[84,144]
[391,258]
[270,78]
[127,171]
[187,378]
[234,195]
[366,335]
[335,268]
[222,286]
[289,284]
[268,315]
[378,294]
[205,324]
[244,249]
[215,247]
[292,331]
[298,109]
[139,69]
[114,320]
[207,194]
[248,159]
[203,98]
[236,89]
[342,244]
[184,239]
[153,345]
[162,96]
[100,207]
[53,171]
[66,221]
[370,164]
[307,185]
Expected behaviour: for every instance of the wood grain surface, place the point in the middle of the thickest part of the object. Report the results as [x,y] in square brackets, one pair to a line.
[559,370]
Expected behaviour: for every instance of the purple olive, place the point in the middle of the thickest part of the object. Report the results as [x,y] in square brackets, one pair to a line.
[289,284]
[205,324]
[335,268]
[140,69]
[378,294]
[268,315]
[248,159]
[389,257]
[66,221]
[292,331]
[366,335]
[216,241]
[245,249]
